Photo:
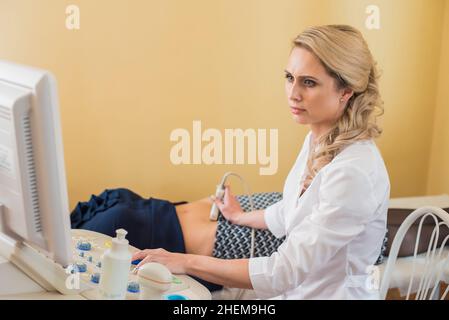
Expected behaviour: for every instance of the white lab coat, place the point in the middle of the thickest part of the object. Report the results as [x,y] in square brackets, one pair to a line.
[334,230]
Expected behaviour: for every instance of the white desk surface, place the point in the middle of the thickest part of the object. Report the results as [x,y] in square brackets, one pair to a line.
[17,285]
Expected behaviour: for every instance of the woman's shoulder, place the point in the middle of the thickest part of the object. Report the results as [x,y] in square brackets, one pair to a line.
[363,156]
[359,151]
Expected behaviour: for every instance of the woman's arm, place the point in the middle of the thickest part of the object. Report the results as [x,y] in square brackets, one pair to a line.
[254,219]
[232,273]
[229,273]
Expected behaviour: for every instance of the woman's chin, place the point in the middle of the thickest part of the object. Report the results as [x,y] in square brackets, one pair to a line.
[300,119]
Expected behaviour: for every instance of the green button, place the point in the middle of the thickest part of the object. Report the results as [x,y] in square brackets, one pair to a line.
[176,280]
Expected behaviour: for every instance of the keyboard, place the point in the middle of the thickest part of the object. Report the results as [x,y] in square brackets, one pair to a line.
[88,247]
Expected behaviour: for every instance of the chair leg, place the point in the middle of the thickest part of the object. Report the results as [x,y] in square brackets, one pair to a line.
[436,295]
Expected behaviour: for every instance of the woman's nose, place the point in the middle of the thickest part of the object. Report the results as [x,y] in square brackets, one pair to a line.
[295,93]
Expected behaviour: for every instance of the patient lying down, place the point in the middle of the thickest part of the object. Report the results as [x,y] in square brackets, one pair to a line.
[176,227]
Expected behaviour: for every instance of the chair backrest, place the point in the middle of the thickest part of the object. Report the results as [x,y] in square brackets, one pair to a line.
[426,282]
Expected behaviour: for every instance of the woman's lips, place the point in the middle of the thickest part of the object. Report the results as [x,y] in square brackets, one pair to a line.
[297,110]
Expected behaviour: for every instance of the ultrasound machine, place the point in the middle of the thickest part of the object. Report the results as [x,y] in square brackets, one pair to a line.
[38,250]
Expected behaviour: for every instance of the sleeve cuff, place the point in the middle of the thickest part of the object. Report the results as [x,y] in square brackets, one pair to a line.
[271,220]
[257,270]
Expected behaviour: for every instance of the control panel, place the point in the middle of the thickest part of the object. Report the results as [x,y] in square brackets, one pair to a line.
[88,247]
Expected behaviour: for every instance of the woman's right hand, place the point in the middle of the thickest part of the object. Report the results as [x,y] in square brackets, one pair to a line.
[229,207]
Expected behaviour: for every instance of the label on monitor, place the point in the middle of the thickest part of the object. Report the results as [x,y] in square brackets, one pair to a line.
[6,161]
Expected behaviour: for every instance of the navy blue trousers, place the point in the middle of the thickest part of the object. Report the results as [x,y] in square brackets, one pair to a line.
[151,223]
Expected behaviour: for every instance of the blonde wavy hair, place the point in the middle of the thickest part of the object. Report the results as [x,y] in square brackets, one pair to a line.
[346,57]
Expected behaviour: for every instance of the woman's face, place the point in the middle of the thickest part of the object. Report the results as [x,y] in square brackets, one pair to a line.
[312,93]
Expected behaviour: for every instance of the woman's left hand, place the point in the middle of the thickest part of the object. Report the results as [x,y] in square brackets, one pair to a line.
[175,262]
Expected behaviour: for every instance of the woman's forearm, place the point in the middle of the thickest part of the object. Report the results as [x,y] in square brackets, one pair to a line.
[254,219]
[233,273]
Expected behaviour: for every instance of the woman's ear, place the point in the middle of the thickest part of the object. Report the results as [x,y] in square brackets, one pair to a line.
[347,94]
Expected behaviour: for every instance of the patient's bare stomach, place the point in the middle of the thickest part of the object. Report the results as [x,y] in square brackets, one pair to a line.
[198,231]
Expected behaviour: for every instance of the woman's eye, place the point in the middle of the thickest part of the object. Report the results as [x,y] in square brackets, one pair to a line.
[289,77]
[309,83]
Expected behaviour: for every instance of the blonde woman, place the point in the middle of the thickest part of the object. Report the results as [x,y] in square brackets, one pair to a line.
[335,198]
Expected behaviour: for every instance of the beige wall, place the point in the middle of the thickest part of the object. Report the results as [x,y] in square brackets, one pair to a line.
[439,165]
[138,69]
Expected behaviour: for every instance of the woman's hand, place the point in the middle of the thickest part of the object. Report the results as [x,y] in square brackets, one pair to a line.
[229,207]
[175,262]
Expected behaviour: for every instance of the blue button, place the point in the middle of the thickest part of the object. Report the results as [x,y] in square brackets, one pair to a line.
[136,262]
[83,245]
[80,267]
[133,287]
[95,278]
[176,297]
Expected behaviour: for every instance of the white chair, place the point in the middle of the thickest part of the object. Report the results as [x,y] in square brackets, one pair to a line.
[428,269]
